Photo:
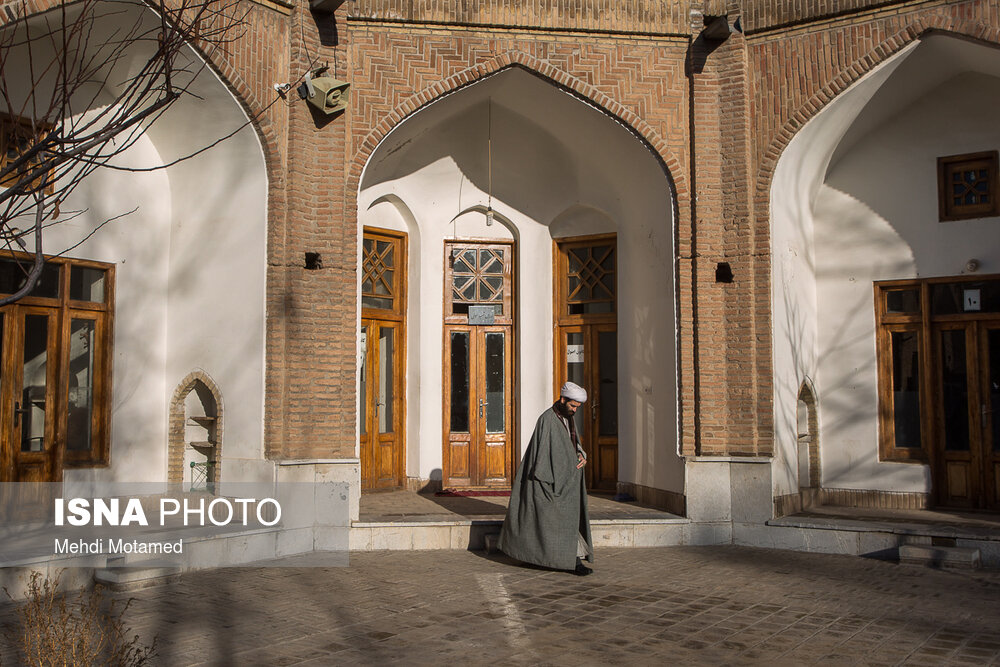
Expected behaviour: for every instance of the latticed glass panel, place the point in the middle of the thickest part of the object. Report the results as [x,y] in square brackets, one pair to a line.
[378,273]
[970,187]
[967,185]
[15,139]
[590,279]
[478,276]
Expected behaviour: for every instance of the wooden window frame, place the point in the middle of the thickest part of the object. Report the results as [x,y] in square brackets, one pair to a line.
[923,323]
[507,318]
[560,264]
[399,278]
[99,454]
[947,210]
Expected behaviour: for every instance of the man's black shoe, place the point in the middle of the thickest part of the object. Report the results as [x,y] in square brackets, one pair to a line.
[581,569]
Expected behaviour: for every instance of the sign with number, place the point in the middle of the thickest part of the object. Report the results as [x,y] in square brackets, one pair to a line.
[971,299]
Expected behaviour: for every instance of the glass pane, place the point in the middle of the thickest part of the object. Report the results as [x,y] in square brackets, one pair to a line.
[13,274]
[574,358]
[386,347]
[367,244]
[363,389]
[32,399]
[81,384]
[495,404]
[607,352]
[459,382]
[382,303]
[490,262]
[906,388]
[902,301]
[381,284]
[950,298]
[86,284]
[954,390]
[993,352]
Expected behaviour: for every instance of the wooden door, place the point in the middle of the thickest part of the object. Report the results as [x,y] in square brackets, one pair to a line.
[967,382]
[990,403]
[382,388]
[32,451]
[381,405]
[478,401]
[586,345]
[590,359]
[479,414]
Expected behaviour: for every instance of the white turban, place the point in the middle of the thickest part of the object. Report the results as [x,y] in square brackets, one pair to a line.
[573,392]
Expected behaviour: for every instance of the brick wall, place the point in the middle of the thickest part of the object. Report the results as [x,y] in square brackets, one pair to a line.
[718,115]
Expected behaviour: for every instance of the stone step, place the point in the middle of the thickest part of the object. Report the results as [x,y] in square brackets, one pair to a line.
[478,535]
[119,577]
[939,556]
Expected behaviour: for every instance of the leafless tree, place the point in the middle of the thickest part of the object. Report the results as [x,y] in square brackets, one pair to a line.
[56,72]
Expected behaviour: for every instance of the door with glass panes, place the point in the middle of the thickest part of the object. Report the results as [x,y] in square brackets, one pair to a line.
[586,346]
[967,361]
[381,402]
[478,357]
[55,370]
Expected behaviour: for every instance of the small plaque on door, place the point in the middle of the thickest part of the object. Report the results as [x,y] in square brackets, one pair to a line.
[971,300]
[481,314]
[574,354]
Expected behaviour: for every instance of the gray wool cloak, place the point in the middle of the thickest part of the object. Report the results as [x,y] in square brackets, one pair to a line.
[548,501]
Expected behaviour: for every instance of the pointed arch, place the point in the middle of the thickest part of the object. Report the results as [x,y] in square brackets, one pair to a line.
[200,382]
[582,90]
[851,74]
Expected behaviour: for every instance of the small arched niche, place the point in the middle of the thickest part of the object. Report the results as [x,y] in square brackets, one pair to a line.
[807,429]
[195,434]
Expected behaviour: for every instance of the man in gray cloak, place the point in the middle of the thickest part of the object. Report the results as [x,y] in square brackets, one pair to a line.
[547,522]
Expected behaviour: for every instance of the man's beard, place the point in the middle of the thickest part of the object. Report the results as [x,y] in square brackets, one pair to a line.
[562,409]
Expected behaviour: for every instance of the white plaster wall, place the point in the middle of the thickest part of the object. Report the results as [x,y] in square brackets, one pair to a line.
[559,168]
[797,180]
[854,200]
[877,217]
[190,271]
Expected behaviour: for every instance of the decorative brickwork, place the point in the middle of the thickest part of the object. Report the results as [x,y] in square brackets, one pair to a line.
[651,17]
[200,382]
[717,114]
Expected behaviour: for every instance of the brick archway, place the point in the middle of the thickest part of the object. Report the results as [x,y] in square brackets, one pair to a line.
[851,75]
[195,381]
[544,70]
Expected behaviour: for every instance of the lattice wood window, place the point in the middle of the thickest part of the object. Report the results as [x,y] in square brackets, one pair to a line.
[16,136]
[587,276]
[967,186]
[383,265]
[477,277]
[479,274]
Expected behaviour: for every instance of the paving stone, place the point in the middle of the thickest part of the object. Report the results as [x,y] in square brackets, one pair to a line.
[679,605]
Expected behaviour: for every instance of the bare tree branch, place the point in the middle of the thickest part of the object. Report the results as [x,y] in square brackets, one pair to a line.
[93,76]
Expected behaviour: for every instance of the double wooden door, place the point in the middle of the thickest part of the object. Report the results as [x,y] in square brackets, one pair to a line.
[479,411]
[966,468]
[590,359]
[478,369]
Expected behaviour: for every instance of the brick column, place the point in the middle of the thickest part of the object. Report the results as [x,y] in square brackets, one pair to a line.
[731,397]
[312,313]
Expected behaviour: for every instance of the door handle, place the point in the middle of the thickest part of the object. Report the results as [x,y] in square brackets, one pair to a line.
[593,410]
[482,404]
[18,410]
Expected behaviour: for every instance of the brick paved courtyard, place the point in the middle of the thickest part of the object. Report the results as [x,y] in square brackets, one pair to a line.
[679,605]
